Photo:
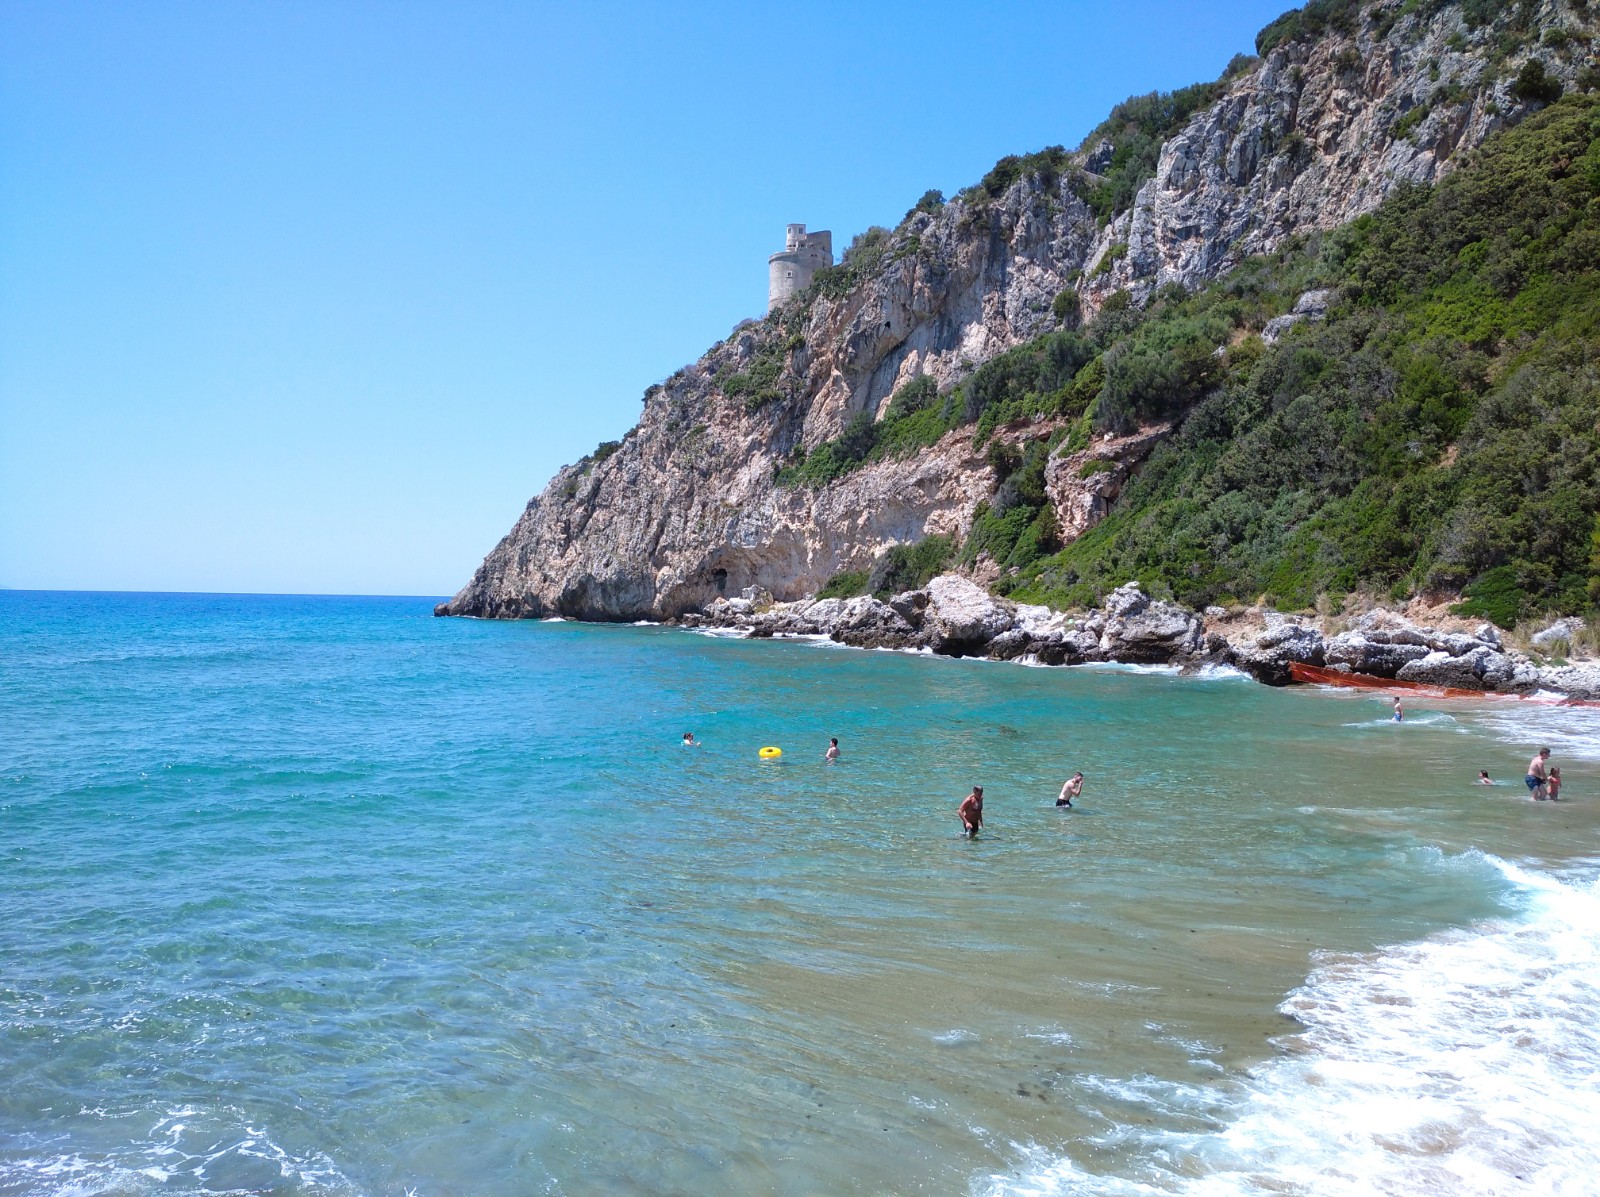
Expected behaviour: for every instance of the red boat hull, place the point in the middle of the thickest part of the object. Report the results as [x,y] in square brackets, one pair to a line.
[1333,677]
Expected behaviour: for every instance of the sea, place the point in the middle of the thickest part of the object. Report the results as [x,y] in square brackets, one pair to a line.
[315,895]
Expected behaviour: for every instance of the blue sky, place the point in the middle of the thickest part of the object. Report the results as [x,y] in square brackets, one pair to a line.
[312,297]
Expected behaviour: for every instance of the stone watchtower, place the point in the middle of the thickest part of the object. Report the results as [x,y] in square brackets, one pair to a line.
[803,255]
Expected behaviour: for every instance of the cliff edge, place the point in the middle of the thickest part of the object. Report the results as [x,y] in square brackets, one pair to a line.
[735,476]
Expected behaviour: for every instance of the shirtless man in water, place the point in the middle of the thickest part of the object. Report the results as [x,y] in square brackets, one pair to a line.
[833,750]
[1537,778]
[971,811]
[1070,790]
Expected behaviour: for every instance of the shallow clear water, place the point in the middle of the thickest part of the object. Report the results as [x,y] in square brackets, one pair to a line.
[328,896]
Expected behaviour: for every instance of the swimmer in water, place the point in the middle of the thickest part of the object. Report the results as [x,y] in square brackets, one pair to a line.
[1537,778]
[1553,786]
[1070,789]
[1483,778]
[970,812]
[833,750]
[1399,711]
[689,741]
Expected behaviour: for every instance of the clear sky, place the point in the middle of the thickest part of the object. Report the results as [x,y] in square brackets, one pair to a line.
[313,296]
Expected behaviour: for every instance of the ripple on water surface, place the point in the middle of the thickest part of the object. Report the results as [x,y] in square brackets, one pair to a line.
[330,896]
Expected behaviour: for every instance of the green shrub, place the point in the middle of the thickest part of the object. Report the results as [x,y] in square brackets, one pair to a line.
[1114,254]
[1437,431]
[1494,596]
[1313,21]
[915,419]
[863,259]
[845,584]
[1409,121]
[1136,129]
[1239,64]
[1534,85]
[917,394]
[909,566]
[1047,165]
[931,201]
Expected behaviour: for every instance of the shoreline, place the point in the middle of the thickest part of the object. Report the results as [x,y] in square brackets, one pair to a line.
[954,617]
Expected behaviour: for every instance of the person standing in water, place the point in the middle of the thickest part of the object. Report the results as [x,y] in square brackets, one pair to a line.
[1537,778]
[1399,711]
[1070,789]
[970,811]
[689,741]
[1553,786]
[1483,778]
[833,750]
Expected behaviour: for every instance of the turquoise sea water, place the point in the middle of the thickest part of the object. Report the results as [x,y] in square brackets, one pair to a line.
[328,896]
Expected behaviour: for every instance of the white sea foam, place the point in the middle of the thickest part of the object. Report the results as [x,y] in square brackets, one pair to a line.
[1126,667]
[1221,673]
[186,1149]
[1569,731]
[1466,1063]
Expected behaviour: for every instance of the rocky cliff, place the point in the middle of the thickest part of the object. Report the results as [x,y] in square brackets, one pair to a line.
[690,506]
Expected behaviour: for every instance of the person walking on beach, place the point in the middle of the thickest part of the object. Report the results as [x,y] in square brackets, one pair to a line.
[970,811]
[1553,786]
[1070,789]
[833,750]
[1537,778]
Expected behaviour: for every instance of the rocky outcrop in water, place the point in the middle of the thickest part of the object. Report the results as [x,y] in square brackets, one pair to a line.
[954,617]
[688,507]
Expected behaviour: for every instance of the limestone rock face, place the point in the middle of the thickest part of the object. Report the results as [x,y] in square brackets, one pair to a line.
[1557,634]
[1083,485]
[1312,138]
[689,509]
[1140,629]
[1441,669]
[964,616]
[1359,654]
[1282,643]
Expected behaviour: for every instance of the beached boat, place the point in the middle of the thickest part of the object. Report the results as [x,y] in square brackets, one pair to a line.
[1315,675]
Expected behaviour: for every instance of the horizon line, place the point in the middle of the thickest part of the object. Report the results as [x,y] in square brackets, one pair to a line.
[219,593]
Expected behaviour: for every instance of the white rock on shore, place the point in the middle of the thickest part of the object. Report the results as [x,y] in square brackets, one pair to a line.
[954,616]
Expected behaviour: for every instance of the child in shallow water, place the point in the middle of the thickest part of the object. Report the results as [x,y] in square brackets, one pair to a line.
[1483,778]
[1552,787]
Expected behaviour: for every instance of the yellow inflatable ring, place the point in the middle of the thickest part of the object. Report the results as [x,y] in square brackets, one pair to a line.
[770,753]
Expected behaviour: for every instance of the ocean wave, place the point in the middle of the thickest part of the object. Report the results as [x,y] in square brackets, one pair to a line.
[181,1150]
[1126,667]
[1221,673]
[1570,731]
[1465,1063]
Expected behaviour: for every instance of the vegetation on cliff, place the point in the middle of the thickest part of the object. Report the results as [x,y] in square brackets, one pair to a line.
[1438,431]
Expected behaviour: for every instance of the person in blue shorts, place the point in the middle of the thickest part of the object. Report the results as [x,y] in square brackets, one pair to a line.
[1537,778]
